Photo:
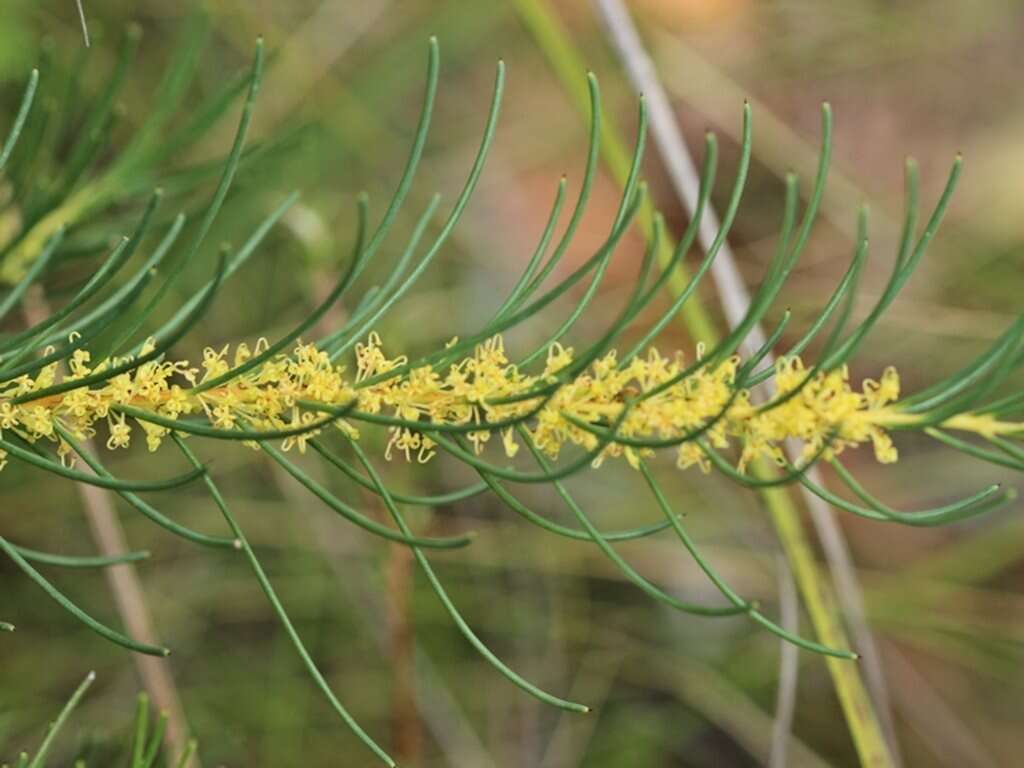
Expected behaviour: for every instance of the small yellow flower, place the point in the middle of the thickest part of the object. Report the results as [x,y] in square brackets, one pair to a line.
[120,434]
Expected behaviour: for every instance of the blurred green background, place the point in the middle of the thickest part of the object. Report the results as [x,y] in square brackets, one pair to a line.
[339,104]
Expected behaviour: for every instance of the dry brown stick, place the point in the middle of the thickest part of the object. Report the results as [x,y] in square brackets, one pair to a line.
[406,726]
[133,609]
[785,695]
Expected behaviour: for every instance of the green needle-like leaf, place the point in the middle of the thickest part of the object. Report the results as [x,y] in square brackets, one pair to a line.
[19,120]
[356,517]
[449,606]
[282,615]
[724,588]
[79,561]
[44,749]
[100,629]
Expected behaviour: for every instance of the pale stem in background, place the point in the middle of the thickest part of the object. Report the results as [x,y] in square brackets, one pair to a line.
[735,300]
[789,670]
[939,725]
[311,50]
[85,25]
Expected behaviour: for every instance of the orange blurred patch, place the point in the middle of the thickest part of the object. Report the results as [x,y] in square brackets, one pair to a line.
[592,231]
[678,15]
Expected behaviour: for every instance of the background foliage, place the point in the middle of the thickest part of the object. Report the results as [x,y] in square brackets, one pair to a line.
[339,105]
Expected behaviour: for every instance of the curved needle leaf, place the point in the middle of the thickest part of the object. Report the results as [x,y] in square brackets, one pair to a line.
[453,217]
[20,118]
[141,506]
[228,175]
[100,629]
[571,533]
[438,500]
[38,265]
[161,346]
[353,516]
[79,561]
[55,467]
[118,257]
[282,615]
[983,501]
[646,586]
[40,758]
[449,606]
[720,583]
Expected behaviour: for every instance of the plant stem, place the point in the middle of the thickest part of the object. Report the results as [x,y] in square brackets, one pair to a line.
[820,602]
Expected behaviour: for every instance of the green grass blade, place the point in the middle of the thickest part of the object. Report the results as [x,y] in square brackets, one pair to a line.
[141,727]
[156,741]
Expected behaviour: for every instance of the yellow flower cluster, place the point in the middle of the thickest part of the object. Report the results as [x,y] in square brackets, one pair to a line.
[825,414]
[485,388]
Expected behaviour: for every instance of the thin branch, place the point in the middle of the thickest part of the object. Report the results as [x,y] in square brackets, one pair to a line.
[85,25]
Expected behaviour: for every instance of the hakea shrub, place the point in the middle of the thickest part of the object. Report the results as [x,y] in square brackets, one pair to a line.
[76,374]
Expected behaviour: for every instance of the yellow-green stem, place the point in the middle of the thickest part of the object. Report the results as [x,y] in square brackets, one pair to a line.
[20,257]
[817,592]
[820,602]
